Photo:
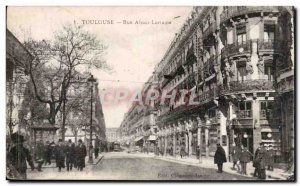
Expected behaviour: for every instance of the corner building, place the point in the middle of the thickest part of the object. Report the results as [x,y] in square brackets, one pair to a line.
[239,62]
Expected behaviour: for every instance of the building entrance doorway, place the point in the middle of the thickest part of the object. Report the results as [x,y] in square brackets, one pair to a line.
[244,137]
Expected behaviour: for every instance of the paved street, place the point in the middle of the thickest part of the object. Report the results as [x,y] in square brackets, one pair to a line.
[124,166]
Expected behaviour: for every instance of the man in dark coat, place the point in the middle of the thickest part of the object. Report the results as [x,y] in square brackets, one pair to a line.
[39,154]
[70,154]
[245,158]
[47,153]
[271,154]
[97,147]
[60,155]
[220,158]
[80,152]
[256,162]
[235,153]
[262,157]
[18,155]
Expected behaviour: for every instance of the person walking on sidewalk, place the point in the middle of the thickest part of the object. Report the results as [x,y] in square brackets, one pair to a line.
[235,154]
[39,155]
[18,155]
[60,155]
[182,151]
[70,153]
[261,158]
[270,158]
[220,158]
[47,153]
[245,158]
[256,162]
[81,153]
[97,147]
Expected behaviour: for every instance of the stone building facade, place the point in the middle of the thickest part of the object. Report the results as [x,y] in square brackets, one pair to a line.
[239,62]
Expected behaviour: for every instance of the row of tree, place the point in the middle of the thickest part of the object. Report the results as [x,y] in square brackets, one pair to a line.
[58,81]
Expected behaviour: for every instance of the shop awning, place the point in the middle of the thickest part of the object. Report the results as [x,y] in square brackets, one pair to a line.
[138,138]
[152,138]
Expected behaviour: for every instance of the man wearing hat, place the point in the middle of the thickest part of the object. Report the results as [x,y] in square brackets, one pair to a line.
[18,155]
[60,155]
[262,157]
[220,157]
[70,153]
[80,152]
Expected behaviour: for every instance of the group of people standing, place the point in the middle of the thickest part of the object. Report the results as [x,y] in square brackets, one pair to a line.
[66,154]
[70,155]
[263,159]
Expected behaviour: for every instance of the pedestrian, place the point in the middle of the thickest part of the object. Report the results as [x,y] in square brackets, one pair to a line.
[39,154]
[256,162]
[198,151]
[245,158]
[182,151]
[47,153]
[18,155]
[220,158]
[235,154]
[70,153]
[271,155]
[81,153]
[261,158]
[97,147]
[60,155]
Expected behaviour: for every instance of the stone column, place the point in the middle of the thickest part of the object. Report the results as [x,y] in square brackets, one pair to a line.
[206,141]
[186,138]
[256,124]
[199,131]
[190,142]
[174,140]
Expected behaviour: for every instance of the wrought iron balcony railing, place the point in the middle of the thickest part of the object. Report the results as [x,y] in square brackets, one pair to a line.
[246,86]
[270,45]
[244,114]
[234,11]
[236,48]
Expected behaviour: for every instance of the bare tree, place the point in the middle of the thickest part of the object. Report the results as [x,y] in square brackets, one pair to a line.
[57,61]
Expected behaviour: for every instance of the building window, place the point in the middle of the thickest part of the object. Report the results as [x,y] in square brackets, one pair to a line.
[269,32]
[241,73]
[268,71]
[244,109]
[241,34]
[266,109]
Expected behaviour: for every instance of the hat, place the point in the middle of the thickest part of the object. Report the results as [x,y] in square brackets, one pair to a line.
[17,138]
[70,141]
[80,140]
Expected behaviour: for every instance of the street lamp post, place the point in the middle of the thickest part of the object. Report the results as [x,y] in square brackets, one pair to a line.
[91,80]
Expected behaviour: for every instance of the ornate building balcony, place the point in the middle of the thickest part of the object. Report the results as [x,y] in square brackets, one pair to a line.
[209,95]
[236,49]
[270,45]
[247,86]
[210,29]
[244,114]
[234,11]
[209,67]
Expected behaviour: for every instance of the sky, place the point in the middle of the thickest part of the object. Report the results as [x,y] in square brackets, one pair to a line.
[133,49]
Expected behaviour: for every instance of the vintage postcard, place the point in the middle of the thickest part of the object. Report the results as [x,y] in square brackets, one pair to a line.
[139,93]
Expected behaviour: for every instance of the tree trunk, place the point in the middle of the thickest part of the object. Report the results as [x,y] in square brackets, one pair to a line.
[52,114]
[63,120]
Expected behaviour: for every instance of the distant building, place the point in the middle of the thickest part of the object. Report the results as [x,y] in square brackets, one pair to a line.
[112,134]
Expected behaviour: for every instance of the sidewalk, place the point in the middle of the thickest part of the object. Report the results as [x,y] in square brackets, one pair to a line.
[50,172]
[276,174]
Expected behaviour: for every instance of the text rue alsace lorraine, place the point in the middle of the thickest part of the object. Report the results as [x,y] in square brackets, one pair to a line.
[124,22]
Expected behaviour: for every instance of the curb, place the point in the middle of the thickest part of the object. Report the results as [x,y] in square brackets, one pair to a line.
[272,177]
